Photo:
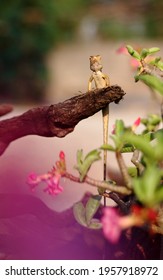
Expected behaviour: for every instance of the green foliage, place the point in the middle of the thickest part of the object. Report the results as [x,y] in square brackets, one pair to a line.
[133,52]
[148,188]
[151,123]
[79,213]
[117,136]
[84,164]
[132,171]
[157,63]
[143,54]
[146,72]
[92,207]
[84,215]
[151,81]
[152,150]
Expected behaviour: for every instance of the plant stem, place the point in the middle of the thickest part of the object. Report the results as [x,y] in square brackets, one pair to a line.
[136,162]
[99,184]
[123,169]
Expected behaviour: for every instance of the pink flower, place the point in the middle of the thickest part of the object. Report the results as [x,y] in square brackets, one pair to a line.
[134,63]
[51,178]
[122,49]
[136,124]
[53,187]
[33,179]
[111,224]
[52,181]
[62,155]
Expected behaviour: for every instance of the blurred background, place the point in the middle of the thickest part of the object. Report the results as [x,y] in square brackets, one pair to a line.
[44,58]
[41,41]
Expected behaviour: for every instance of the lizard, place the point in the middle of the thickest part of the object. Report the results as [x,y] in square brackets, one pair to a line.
[101,80]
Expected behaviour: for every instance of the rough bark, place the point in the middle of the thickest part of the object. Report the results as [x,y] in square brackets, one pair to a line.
[58,119]
[5,109]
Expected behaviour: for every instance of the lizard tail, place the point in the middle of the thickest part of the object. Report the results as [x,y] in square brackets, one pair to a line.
[105,115]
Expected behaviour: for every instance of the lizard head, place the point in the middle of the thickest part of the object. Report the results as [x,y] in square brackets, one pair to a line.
[95,63]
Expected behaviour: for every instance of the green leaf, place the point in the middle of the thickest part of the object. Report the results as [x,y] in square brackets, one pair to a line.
[116,137]
[152,81]
[127,148]
[153,50]
[148,136]
[158,198]
[158,147]
[93,155]
[144,121]
[147,186]
[151,180]
[139,190]
[144,53]
[79,213]
[107,147]
[119,127]
[157,62]
[79,157]
[83,165]
[91,208]
[84,215]
[154,119]
[95,224]
[132,171]
[133,53]
[157,59]
[151,123]
[140,143]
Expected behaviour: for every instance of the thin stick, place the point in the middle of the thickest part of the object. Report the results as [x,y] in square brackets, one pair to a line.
[101,81]
[105,115]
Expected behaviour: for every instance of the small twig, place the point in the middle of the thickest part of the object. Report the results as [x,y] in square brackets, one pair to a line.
[136,162]
[124,206]
[151,70]
[123,169]
[99,184]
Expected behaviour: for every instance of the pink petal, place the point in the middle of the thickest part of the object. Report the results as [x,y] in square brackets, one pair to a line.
[111,225]
[137,122]
[62,155]
[33,179]
[134,63]
[123,50]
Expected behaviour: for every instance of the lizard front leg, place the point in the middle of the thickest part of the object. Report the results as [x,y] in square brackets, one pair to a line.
[90,83]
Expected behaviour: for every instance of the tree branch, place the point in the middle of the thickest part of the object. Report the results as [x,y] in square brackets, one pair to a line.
[5,109]
[58,119]
[99,184]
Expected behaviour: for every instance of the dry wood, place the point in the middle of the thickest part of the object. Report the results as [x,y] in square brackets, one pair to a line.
[58,119]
